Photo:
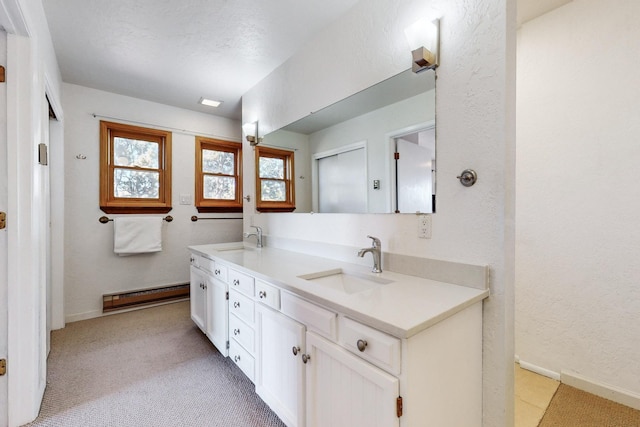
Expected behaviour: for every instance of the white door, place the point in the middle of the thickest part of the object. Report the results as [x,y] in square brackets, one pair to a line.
[342,182]
[280,373]
[414,172]
[3,235]
[345,391]
[217,314]
[198,298]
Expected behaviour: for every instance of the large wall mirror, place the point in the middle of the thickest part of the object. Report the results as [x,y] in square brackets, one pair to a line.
[373,152]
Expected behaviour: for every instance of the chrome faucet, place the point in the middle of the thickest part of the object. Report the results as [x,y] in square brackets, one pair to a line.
[258,235]
[376,251]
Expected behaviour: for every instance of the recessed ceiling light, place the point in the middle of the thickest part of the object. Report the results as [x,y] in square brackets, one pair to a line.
[209,102]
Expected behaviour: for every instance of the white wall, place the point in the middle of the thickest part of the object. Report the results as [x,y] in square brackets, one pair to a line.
[92,269]
[475,110]
[578,269]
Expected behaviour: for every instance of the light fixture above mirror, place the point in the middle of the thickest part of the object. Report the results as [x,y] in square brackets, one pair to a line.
[424,41]
[251,132]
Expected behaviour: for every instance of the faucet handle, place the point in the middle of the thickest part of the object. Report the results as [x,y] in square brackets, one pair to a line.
[375,241]
[258,229]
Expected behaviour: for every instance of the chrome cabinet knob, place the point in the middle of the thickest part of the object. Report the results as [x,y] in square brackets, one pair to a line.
[362,344]
[295,350]
[236,304]
[236,282]
[236,332]
[305,358]
[236,358]
[216,272]
[262,294]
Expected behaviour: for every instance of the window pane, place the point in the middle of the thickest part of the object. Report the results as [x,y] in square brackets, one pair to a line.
[273,191]
[271,168]
[219,187]
[134,152]
[136,184]
[221,162]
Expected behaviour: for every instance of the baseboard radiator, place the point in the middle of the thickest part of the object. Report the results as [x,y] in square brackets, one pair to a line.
[132,299]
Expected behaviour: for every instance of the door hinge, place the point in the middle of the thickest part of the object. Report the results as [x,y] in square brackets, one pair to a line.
[396,156]
[3,220]
[3,366]
[399,406]
[227,345]
[227,295]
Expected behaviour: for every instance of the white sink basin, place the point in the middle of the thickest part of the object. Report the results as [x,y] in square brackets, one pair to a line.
[239,247]
[346,281]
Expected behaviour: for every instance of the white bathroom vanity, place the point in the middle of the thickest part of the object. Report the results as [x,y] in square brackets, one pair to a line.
[329,343]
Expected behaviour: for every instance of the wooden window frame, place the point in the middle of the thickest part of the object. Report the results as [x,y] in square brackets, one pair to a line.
[121,205]
[289,205]
[217,205]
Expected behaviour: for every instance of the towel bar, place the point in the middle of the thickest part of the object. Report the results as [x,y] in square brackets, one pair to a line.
[194,218]
[104,219]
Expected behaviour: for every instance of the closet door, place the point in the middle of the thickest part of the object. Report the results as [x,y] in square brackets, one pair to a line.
[342,182]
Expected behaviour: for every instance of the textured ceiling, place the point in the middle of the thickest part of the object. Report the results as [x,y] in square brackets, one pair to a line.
[176,51]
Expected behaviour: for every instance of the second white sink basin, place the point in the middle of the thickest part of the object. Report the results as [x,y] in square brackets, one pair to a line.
[349,282]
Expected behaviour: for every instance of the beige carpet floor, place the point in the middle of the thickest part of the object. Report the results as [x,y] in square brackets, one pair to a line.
[571,407]
[150,367]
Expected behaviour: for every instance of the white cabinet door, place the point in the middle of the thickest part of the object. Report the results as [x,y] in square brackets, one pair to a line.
[217,314]
[280,373]
[198,297]
[345,391]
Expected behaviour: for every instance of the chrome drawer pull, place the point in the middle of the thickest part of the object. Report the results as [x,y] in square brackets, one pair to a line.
[305,358]
[362,344]
[262,294]
[295,350]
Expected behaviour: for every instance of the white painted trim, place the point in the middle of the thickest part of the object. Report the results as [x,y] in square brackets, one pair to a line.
[12,19]
[607,391]
[539,370]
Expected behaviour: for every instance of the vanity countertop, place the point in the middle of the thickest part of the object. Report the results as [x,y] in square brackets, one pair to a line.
[402,308]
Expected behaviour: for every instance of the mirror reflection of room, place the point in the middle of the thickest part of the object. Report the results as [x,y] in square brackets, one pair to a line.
[345,154]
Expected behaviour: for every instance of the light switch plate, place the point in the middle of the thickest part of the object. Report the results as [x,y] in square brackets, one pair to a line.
[185,199]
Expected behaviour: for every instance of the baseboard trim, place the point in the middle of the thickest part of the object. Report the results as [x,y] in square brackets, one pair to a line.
[616,394]
[538,370]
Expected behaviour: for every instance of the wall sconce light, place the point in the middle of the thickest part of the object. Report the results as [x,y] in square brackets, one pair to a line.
[424,41]
[251,132]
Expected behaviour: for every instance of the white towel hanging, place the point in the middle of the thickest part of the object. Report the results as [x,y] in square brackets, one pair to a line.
[137,235]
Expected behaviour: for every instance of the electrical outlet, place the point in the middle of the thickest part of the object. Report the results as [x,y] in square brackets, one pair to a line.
[424,226]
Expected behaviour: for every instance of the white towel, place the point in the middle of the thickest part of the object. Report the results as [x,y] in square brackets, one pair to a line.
[136,235]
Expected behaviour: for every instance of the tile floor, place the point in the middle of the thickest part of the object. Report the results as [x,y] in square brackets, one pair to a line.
[533,394]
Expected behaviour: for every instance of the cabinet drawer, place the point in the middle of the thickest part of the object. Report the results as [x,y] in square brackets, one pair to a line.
[241,306]
[377,347]
[268,294]
[313,317]
[241,332]
[220,272]
[242,358]
[202,263]
[241,282]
